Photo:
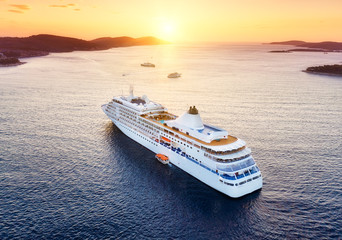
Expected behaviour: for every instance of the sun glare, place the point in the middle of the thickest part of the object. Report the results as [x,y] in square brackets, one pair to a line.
[167,30]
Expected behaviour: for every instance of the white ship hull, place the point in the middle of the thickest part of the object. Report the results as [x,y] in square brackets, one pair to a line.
[195,169]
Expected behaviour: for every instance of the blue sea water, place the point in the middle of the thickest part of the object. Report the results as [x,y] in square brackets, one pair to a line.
[67,172]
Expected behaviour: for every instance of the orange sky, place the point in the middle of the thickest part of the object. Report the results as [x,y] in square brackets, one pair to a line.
[176,20]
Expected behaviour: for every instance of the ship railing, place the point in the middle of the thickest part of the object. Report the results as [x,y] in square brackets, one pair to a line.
[236,176]
[235,167]
[220,160]
[225,176]
[238,171]
[222,153]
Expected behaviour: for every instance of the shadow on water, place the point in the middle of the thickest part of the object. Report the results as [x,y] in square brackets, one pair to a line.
[172,180]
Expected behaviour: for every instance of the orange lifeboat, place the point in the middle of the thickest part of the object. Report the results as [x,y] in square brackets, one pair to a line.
[162,158]
[166,139]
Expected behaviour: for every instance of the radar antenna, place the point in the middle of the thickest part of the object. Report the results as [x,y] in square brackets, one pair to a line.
[131,91]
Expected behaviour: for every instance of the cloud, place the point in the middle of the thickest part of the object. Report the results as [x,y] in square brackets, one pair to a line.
[63,6]
[77,9]
[58,6]
[15,11]
[21,7]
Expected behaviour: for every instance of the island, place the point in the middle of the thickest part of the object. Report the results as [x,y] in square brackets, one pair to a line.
[13,48]
[333,70]
[6,61]
[280,51]
[324,47]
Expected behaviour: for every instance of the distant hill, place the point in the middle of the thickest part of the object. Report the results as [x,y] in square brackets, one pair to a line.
[109,42]
[291,42]
[326,46]
[42,44]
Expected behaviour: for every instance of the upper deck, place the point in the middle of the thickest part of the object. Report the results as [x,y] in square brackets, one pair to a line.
[141,105]
[165,117]
[218,145]
[187,126]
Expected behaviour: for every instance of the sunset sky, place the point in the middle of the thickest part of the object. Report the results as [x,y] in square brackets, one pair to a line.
[175,20]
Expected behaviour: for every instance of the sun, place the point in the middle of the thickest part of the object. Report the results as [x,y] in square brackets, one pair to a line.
[167,30]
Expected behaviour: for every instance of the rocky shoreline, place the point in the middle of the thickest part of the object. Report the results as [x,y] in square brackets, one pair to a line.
[303,50]
[6,61]
[20,53]
[330,70]
[12,65]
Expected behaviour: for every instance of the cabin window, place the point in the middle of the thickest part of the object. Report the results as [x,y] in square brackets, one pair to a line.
[242,182]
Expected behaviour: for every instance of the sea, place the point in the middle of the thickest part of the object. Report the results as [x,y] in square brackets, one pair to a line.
[67,172]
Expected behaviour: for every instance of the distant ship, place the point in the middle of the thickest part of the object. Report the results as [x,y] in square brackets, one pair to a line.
[206,152]
[174,75]
[147,64]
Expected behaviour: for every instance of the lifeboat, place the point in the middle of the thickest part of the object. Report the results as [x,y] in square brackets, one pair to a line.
[166,139]
[162,158]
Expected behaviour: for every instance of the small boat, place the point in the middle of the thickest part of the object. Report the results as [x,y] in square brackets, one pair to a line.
[174,75]
[147,64]
[162,158]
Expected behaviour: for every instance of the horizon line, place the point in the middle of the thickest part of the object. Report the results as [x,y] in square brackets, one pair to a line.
[174,41]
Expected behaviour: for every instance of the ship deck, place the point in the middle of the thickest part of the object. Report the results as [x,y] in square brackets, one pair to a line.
[166,117]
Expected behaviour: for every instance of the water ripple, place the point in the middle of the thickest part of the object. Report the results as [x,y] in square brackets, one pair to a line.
[67,172]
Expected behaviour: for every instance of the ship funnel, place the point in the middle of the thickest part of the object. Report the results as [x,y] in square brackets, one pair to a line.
[193,110]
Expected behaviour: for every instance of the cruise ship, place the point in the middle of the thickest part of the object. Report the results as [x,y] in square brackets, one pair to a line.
[206,152]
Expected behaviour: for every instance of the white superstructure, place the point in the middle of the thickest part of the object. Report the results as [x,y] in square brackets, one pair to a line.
[206,152]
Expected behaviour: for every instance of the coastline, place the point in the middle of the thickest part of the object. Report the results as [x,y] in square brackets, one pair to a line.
[323,73]
[305,50]
[12,64]
[329,70]
[302,46]
[43,44]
